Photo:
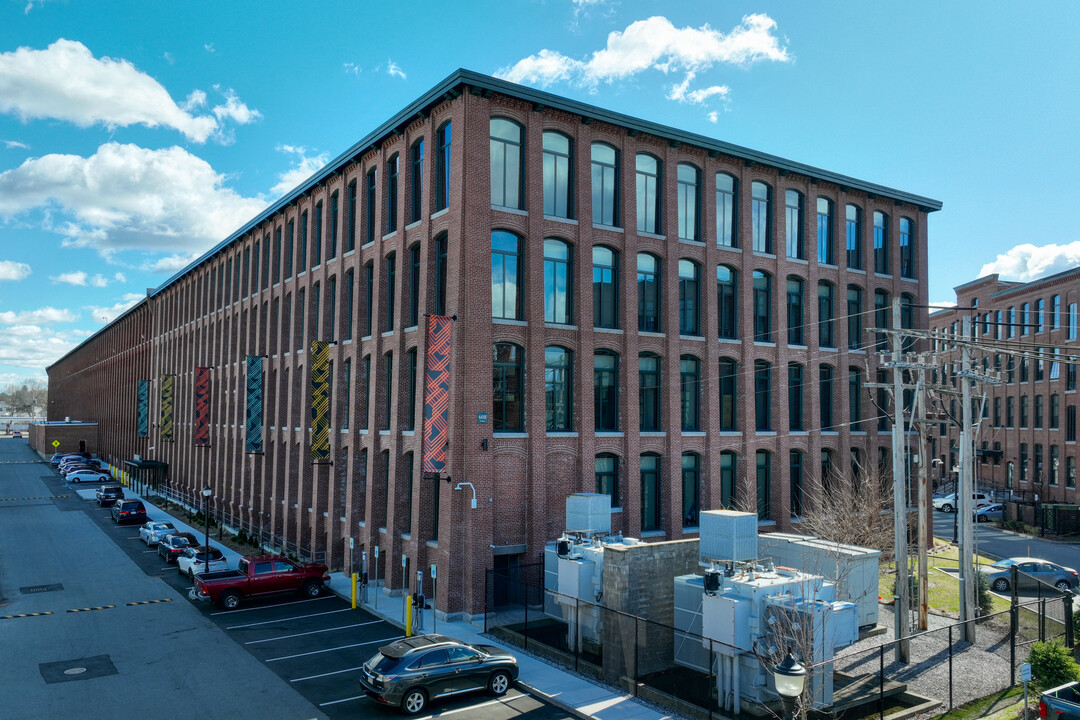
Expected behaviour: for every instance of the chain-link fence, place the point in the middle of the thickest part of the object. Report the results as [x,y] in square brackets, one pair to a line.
[679,668]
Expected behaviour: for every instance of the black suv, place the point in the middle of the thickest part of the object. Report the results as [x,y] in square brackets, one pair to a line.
[128,511]
[412,671]
[108,494]
[174,544]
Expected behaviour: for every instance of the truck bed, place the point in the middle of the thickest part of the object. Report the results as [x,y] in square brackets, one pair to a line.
[221,575]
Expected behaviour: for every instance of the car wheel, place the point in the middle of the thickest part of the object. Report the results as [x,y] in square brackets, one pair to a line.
[312,589]
[1063,585]
[499,683]
[946,508]
[230,600]
[414,701]
[1000,585]
[191,574]
[981,518]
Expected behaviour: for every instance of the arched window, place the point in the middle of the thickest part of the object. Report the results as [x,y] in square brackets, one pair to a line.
[690,392]
[826,311]
[727,227]
[605,185]
[795,310]
[825,243]
[795,481]
[558,282]
[761,216]
[793,226]
[795,396]
[605,287]
[648,193]
[881,243]
[649,391]
[507,163]
[607,477]
[416,181]
[506,275]
[558,175]
[764,484]
[507,405]
[762,395]
[855,383]
[825,397]
[392,168]
[727,293]
[882,315]
[606,391]
[650,492]
[443,138]
[689,298]
[907,248]
[648,284]
[855,319]
[689,185]
[763,325]
[728,394]
[558,389]
[728,463]
[853,234]
[691,489]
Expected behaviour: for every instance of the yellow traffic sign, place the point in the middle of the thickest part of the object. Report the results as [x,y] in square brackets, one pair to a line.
[56,443]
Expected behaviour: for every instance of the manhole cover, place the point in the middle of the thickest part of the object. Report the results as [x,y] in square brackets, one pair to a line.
[77,669]
[31,589]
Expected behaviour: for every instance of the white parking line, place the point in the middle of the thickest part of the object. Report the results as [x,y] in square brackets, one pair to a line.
[312,632]
[335,702]
[442,713]
[264,607]
[134,538]
[295,617]
[150,551]
[335,649]
[322,675]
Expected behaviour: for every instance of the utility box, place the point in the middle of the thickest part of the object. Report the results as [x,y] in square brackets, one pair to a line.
[689,651]
[726,619]
[588,512]
[728,536]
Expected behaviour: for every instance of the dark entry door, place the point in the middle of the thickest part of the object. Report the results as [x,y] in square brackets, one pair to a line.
[508,588]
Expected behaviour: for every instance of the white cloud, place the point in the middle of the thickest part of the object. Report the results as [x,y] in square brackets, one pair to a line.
[195,99]
[209,47]
[15,144]
[713,117]
[234,109]
[41,316]
[172,263]
[66,82]
[125,196]
[120,277]
[169,57]
[682,92]
[1027,262]
[107,314]
[394,70]
[305,166]
[11,270]
[352,68]
[33,346]
[76,277]
[656,44]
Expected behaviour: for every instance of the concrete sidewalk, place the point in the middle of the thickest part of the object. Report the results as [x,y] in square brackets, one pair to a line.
[572,693]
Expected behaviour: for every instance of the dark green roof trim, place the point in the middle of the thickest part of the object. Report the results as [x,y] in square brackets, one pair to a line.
[478,84]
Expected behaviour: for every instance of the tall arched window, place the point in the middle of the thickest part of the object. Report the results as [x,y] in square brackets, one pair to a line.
[795,310]
[763,325]
[764,483]
[689,298]
[605,287]
[727,227]
[507,404]
[507,163]
[607,477]
[881,243]
[506,275]
[825,243]
[649,391]
[558,282]
[826,311]
[727,293]
[795,396]
[762,395]
[558,175]
[907,248]
[853,234]
[728,394]
[650,492]
[728,463]
[442,165]
[648,193]
[689,185]
[690,392]
[648,284]
[761,217]
[606,391]
[605,185]
[793,226]
[416,181]
[558,389]
[691,489]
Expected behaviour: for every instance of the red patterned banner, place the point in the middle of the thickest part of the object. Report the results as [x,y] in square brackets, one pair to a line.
[436,393]
[202,407]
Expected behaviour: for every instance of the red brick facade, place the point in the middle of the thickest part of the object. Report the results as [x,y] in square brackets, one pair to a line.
[521,479]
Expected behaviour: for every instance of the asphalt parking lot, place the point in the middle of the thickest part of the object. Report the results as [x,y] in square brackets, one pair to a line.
[316,646]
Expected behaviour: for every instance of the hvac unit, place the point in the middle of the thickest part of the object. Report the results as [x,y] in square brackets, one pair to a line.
[728,536]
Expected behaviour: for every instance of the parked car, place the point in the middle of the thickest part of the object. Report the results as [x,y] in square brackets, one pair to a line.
[410,672]
[1032,572]
[987,513]
[948,502]
[57,457]
[66,470]
[259,575]
[128,511]
[1060,703]
[87,475]
[16,435]
[193,561]
[170,546]
[152,531]
[68,463]
[108,494]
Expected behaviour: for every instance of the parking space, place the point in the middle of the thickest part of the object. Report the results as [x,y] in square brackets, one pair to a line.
[317,646]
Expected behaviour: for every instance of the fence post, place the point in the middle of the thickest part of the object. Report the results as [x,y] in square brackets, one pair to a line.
[950,667]
[526,628]
[1069,639]
[881,682]
[577,632]
[487,596]
[1042,618]
[636,655]
[1012,645]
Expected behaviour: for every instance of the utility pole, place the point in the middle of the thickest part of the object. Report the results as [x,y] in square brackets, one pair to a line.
[924,500]
[964,494]
[903,586]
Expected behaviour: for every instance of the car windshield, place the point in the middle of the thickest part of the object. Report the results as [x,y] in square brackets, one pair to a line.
[1004,563]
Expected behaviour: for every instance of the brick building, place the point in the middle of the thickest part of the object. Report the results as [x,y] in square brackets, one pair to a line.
[1026,333]
[643,311]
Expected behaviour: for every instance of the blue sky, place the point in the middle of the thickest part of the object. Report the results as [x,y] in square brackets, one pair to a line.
[135,135]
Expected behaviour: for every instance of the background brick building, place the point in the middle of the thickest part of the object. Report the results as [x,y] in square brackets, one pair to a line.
[639,310]
[1026,333]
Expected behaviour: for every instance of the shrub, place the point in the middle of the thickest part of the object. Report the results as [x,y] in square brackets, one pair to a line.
[982,595]
[1052,665]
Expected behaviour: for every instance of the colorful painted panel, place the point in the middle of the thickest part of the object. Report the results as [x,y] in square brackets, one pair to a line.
[320,401]
[436,393]
[167,383]
[202,406]
[253,427]
[142,409]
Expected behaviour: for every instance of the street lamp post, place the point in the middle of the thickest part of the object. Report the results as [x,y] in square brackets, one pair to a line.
[789,677]
[206,493]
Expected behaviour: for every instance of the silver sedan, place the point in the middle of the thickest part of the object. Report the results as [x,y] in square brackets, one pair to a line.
[1032,572]
[151,532]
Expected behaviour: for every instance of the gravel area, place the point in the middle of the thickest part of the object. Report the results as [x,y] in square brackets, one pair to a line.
[978,669]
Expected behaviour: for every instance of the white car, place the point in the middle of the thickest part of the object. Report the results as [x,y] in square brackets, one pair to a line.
[152,531]
[948,503]
[193,561]
[67,465]
[81,476]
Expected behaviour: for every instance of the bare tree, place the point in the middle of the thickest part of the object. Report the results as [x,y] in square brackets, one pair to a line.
[853,508]
[29,398]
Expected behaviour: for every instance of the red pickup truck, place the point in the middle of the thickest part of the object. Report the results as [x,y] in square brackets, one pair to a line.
[258,575]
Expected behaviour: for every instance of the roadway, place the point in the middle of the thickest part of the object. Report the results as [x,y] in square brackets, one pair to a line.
[92,617]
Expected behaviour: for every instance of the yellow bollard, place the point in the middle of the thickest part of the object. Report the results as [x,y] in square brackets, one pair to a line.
[354,591]
[408,616]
